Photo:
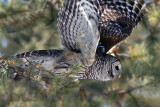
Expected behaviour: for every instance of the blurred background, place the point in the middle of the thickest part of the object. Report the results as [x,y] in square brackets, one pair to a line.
[27,25]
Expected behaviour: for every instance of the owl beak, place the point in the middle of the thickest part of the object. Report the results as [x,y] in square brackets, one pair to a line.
[119,76]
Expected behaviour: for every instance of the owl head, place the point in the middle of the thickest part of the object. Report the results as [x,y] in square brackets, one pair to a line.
[105,68]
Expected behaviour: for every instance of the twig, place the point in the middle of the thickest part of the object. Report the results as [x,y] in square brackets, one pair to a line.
[95,92]
[32,64]
[45,5]
[134,99]
[128,91]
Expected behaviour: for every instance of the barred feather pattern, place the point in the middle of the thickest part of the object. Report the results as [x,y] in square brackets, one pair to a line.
[88,29]
[117,19]
[78,27]
[38,53]
[46,58]
[104,68]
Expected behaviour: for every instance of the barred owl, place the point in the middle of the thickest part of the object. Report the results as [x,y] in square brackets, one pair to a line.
[88,29]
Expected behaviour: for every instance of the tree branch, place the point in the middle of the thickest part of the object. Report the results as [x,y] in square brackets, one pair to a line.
[134,99]
[45,5]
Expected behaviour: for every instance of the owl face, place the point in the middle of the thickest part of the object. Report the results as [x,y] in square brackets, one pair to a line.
[115,70]
[111,69]
[105,68]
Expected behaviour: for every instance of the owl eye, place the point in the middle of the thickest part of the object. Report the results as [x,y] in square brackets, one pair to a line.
[117,68]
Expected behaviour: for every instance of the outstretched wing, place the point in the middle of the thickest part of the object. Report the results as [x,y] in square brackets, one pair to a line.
[78,27]
[117,20]
[46,58]
[39,53]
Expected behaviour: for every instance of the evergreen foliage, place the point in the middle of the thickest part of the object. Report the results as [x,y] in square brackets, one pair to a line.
[32,25]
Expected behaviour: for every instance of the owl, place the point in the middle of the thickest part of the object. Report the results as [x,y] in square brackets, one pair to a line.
[88,29]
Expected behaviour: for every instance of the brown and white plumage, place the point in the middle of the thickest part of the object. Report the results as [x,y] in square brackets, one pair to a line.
[78,28]
[117,20]
[105,67]
[88,29]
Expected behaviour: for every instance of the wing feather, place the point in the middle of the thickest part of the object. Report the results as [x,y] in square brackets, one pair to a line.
[117,20]
[78,27]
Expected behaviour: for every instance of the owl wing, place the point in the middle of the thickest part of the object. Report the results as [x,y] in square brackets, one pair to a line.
[117,18]
[78,27]
[45,58]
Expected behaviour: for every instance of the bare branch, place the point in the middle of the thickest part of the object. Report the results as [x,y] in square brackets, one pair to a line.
[134,99]
[45,5]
